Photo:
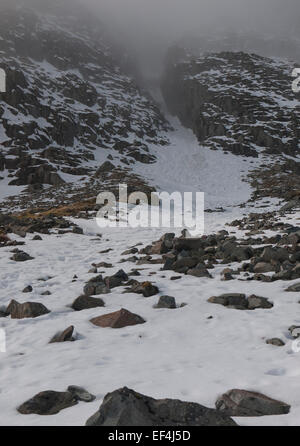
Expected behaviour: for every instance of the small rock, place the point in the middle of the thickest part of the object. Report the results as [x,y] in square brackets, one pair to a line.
[242,403]
[37,237]
[294,288]
[93,271]
[166,302]
[64,336]
[275,341]
[81,394]
[118,319]
[77,230]
[116,280]
[21,256]
[147,289]
[295,331]
[28,289]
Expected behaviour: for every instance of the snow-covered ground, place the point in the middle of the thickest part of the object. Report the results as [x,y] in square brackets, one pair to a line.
[176,353]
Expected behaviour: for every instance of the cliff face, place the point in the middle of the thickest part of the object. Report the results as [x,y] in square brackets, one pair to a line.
[241,103]
[69,104]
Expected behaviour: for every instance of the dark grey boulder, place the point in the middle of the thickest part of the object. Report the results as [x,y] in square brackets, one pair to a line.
[125,407]
[26,310]
[95,286]
[21,256]
[166,302]
[242,403]
[87,302]
[48,402]
[28,289]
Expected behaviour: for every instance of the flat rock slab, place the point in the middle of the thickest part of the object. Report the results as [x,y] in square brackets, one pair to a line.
[26,310]
[240,302]
[242,403]
[125,407]
[118,319]
[48,403]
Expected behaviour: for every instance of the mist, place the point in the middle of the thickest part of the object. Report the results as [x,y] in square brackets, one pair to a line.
[147,28]
[150,27]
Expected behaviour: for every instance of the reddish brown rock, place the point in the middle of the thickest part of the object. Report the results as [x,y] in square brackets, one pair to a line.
[118,319]
[64,336]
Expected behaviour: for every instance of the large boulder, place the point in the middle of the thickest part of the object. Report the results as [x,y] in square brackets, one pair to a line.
[242,403]
[125,407]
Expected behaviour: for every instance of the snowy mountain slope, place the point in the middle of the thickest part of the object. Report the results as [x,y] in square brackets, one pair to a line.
[238,102]
[69,106]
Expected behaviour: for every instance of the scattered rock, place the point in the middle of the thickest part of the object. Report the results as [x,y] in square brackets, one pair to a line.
[86,302]
[231,300]
[28,289]
[37,237]
[295,331]
[166,302]
[125,407]
[81,394]
[48,402]
[21,256]
[258,302]
[26,310]
[147,289]
[242,403]
[295,287]
[240,302]
[118,319]
[275,341]
[116,280]
[95,286]
[64,336]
